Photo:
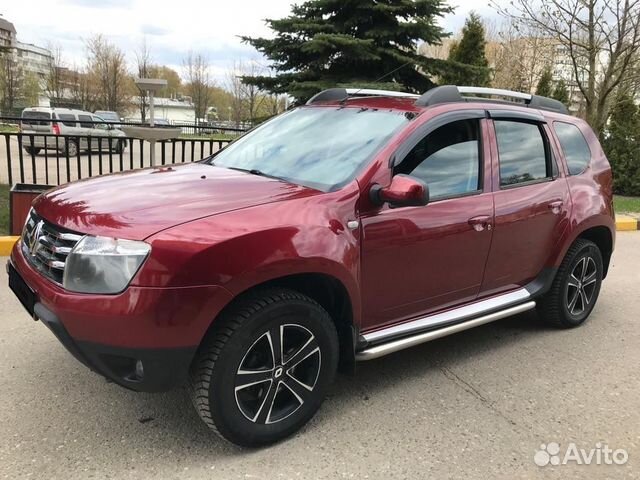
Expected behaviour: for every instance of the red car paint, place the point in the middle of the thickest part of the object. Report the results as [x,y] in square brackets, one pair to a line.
[215,233]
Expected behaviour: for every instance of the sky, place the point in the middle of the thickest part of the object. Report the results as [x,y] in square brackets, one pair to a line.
[171,28]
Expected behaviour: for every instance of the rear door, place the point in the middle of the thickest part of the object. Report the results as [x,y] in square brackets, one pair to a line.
[531,201]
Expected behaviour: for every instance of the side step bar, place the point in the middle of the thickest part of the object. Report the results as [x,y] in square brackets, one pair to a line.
[406,342]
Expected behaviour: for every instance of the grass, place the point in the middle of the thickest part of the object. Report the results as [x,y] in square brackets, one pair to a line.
[8,128]
[214,137]
[626,204]
[4,210]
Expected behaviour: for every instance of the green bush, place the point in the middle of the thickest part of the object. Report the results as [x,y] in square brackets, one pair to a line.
[622,146]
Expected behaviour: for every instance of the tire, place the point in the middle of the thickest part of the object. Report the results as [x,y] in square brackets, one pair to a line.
[32,150]
[278,397]
[575,290]
[70,148]
[119,146]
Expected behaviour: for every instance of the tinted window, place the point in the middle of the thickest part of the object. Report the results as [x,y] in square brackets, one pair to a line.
[85,118]
[521,151]
[575,147]
[67,119]
[319,147]
[447,160]
[31,118]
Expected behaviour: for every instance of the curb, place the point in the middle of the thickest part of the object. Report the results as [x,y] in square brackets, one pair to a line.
[6,244]
[623,224]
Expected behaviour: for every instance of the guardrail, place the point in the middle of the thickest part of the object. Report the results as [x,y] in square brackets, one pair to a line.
[49,159]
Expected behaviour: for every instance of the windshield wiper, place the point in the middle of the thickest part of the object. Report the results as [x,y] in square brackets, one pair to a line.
[254,171]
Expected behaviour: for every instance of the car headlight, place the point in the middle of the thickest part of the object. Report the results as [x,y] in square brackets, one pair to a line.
[103,264]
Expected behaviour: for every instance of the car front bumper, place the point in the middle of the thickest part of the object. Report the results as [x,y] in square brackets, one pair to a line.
[143,339]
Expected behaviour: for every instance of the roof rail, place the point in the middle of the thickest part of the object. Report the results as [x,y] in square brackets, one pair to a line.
[335,94]
[452,93]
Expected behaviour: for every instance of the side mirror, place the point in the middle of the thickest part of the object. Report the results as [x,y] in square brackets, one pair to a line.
[404,191]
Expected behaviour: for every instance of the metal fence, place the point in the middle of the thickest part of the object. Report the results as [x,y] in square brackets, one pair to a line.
[53,165]
[47,159]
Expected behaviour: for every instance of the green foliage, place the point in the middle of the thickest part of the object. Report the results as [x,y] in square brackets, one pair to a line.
[469,51]
[545,84]
[622,146]
[561,93]
[328,43]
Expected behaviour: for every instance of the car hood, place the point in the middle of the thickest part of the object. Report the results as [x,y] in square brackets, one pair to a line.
[137,204]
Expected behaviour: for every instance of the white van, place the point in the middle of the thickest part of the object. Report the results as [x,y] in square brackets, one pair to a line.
[78,123]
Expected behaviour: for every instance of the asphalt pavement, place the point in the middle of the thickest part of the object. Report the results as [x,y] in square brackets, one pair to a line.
[479,404]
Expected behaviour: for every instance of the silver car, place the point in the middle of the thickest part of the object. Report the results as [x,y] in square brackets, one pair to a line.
[77,126]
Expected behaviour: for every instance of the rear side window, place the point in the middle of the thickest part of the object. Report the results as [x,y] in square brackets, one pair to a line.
[447,160]
[575,147]
[67,119]
[85,118]
[31,118]
[522,153]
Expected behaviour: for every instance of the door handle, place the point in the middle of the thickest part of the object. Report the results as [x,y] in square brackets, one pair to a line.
[481,222]
[556,206]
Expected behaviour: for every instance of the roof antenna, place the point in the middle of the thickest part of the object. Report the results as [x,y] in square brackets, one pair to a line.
[378,79]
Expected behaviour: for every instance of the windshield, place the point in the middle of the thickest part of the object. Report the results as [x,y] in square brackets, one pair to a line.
[318,147]
[108,116]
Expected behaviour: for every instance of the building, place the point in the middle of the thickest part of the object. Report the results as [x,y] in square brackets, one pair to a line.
[7,33]
[171,109]
[33,59]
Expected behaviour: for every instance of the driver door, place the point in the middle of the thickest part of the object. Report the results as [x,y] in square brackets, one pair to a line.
[417,260]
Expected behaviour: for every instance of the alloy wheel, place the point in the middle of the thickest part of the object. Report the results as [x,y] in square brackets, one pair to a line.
[277,374]
[581,285]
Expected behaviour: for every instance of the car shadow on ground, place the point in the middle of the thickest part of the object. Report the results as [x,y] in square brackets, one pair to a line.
[173,410]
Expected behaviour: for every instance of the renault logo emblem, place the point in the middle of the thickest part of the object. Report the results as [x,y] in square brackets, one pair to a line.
[34,241]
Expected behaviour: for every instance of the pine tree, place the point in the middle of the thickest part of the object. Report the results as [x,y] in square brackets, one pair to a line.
[622,145]
[329,43]
[561,93]
[469,51]
[545,84]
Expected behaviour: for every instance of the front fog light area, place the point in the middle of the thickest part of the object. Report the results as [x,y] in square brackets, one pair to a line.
[103,265]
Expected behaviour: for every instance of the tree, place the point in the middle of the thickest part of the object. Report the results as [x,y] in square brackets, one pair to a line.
[561,93]
[622,145]
[108,74]
[54,84]
[30,89]
[174,83]
[545,84]
[11,78]
[80,91]
[600,38]
[522,56]
[198,83]
[364,43]
[143,68]
[470,50]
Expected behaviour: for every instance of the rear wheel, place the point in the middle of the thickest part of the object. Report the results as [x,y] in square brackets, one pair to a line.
[119,146]
[575,289]
[265,369]
[70,148]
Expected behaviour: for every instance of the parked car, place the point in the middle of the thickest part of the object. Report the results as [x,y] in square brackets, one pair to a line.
[76,126]
[357,225]
[108,115]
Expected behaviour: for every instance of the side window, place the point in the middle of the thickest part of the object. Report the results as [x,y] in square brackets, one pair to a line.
[575,147]
[522,153]
[447,160]
[83,119]
[67,119]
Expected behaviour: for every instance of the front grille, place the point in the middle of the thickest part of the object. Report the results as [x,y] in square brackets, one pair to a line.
[47,246]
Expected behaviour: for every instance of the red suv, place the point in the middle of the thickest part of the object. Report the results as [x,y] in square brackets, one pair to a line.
[357,225]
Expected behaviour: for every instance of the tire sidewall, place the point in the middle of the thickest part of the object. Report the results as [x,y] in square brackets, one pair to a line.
[224,410]
[589,250]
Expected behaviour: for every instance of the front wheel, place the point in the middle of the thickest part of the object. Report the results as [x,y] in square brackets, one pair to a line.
[575,289]
[32,150]
[264,370]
